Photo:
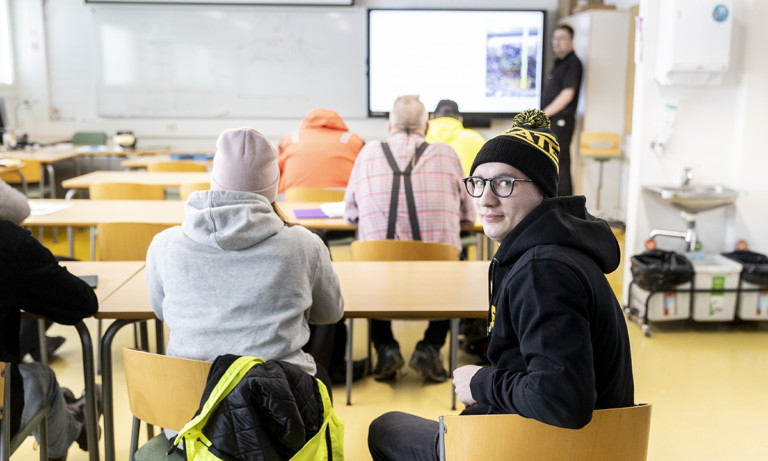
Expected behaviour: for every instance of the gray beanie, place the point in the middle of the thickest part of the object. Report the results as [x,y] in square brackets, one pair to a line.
[245,161]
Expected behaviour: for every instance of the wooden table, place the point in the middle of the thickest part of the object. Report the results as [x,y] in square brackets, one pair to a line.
[403,289]
[165,179]
[111,276]
[46,158]
[145,160]
[91,213]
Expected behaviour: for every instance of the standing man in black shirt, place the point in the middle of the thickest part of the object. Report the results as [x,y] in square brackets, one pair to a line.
[560,98]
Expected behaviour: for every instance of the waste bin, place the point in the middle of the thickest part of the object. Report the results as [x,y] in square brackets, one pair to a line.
[753,305]
[716,280]
[665,276]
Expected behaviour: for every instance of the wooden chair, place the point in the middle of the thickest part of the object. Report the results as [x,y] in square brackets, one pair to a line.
[601,147]
[126,191]
[614,434]
[402,250]
[163,391]
[39,421]
[186,189]
[156,167]
[313,194]
[126,241]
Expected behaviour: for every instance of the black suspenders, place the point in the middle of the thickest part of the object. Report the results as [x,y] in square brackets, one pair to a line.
[406,175]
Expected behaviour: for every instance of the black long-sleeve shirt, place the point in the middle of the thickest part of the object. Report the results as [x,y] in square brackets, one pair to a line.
[32,280]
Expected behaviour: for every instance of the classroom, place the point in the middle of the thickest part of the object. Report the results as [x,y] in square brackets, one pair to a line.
[671,97]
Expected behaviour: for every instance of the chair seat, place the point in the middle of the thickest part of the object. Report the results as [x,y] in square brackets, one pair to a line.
[156,449]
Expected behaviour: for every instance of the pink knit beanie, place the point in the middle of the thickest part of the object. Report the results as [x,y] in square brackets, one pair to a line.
[245,161]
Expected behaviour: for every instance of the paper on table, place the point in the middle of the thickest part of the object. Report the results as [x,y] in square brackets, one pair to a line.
[333,209]
[39,209]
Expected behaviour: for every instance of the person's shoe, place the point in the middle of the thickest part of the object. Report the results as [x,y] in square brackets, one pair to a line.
[63,458]
[388,362]
[426,360]
[69,396]
[53,343]
[359,367]
[77,408]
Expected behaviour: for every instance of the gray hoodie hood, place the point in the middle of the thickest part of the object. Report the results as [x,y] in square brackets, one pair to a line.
[229,220]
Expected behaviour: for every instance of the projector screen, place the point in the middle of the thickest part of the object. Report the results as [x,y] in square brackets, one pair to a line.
[488,61]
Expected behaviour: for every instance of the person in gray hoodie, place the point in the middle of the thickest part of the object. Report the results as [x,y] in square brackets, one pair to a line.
[235,277]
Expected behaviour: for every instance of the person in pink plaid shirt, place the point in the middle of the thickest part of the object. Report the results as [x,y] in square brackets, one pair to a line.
[439,202]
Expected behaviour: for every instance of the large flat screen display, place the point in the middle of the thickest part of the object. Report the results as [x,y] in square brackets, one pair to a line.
[489,62]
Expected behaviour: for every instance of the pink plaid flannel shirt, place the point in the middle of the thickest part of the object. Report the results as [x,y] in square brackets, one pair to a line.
[442,203]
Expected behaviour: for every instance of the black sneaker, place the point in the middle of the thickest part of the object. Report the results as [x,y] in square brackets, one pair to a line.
[53,343]
[388,362]
[426,360]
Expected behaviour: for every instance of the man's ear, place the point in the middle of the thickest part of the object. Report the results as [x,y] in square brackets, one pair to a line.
[426,128]
[460,119]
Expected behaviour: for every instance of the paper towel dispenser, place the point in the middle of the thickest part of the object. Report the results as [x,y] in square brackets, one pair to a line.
[694,41]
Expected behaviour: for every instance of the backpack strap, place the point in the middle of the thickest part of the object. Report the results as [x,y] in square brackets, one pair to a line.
[394,198]
[192,433]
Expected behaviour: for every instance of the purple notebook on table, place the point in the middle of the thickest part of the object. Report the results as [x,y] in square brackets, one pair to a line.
[309,213]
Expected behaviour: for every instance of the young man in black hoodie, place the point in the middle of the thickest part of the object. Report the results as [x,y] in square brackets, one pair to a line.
[559,347]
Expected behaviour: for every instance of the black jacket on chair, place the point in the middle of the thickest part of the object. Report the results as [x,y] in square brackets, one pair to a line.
[270,415]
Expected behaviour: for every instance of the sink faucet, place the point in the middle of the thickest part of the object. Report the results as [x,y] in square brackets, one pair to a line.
[686,177]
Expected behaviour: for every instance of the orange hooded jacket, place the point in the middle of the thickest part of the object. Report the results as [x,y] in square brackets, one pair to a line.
[320,154]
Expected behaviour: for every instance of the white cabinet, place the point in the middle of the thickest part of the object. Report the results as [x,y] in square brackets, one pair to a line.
[601,41]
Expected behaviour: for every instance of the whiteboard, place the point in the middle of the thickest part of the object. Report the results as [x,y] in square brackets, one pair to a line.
[229,62]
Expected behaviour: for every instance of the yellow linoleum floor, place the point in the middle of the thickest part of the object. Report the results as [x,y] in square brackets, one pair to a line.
[708,384]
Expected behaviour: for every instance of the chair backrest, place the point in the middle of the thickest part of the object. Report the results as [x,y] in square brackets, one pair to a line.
[402,250]
[89,138]
[156,167]
[613,434]
[126,191]
[164,391]
[126,241]
[186,189]
[597,144]
[313,194]
[31,171]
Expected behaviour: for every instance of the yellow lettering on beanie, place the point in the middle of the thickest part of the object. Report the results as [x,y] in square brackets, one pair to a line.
[544,142]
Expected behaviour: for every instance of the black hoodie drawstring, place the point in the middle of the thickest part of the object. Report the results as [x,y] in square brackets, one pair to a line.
[491,279]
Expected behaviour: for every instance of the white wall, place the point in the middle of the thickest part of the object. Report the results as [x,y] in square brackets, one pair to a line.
[717,132]
[66,24]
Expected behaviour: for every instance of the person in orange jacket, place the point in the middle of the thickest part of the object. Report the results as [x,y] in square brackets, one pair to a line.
[320,154]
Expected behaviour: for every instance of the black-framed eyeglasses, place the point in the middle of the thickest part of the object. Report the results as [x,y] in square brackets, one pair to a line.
[502,186]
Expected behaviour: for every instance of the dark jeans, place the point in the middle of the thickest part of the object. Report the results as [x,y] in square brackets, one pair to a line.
[322,339]
[381,332]
[564,135]
[398,436]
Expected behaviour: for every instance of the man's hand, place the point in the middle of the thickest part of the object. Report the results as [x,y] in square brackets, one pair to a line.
[461,378]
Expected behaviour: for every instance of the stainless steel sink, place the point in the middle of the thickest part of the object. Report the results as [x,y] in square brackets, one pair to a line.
[695,198]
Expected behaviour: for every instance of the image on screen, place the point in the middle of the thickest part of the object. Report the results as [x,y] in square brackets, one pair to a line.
[488,61]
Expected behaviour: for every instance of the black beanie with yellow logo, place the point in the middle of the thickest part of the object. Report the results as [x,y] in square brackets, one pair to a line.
[530,147]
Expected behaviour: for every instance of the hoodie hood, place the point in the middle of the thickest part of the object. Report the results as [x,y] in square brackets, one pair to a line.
[443,129]
[563,221]
[225,219]
[324,118]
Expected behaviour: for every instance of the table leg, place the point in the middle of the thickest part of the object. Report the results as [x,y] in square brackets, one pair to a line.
[91,415]
[93,243]
[71,241]
[350,360]
[454,357]
[107,386]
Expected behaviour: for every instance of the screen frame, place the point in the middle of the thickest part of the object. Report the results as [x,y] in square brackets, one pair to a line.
[481,118]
